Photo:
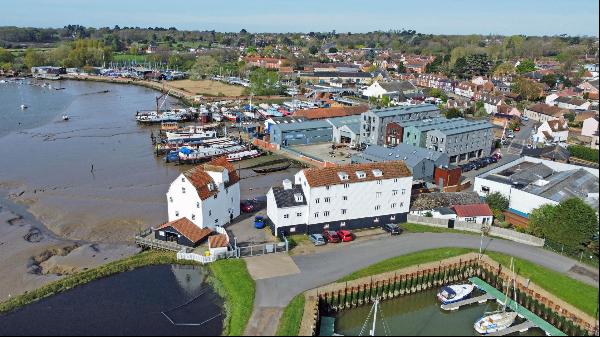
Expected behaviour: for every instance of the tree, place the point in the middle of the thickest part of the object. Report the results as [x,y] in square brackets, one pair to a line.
[504,69]
[264,82]
[497,201]
[550,80]
[385,101]
[205,65]
[6,56]
[33,58]
[453,113]
[527,89]
[525,66]
[313,50]
[333,50]
[572,223]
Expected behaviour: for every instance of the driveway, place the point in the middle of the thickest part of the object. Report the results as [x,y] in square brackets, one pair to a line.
[277,292]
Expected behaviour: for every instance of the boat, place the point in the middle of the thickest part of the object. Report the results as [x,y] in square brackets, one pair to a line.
[274,166]
[454,293]
[23,106]
[154,117]
[243,155]
[65,117]
[190,136]
[496,321]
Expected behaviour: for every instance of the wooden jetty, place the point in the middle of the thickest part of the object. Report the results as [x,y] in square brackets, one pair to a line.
[515,328]
[457,305]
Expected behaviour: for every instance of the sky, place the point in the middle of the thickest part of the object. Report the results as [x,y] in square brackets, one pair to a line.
[506,17]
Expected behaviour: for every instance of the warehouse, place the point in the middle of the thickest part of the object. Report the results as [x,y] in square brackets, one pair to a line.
[305,133]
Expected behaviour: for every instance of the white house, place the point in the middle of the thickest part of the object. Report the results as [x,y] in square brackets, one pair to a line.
[590,127]
[208,195]
[476,213]
[552,132]
[341,197]
[572,103]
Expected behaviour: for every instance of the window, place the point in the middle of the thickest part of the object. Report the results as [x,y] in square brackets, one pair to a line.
[193,216]
[326,226]
[343,224]
[377,194]
[345,198]
[485,189]
[183,180]
[346,185]
[392,218]
[293,230]
[376,220]
[215,196]
[403,191]
[378,207]
[198,205]
[176,213]
[344,211]
[378,182]
[327,187]
[396,180]
[298,214]
[394,205]
[327,199]
[361,175]
[171,199]
[161,233]
[209,212]
[217,221]
[286,216]
[395,192]
[326,213]
[316,214]
[183,190]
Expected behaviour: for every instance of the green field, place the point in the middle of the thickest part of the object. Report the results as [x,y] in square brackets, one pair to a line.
[289,323]
[233,282]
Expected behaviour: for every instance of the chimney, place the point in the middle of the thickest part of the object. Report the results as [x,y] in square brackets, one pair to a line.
[287,184]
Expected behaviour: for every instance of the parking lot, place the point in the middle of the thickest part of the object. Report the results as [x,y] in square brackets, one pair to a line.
[246,234]
[324,152]
[306,247]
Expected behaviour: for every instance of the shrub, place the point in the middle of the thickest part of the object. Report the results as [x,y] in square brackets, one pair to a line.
[583,152]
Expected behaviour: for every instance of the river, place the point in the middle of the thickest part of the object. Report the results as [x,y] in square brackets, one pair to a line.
[416,315]
[125,304]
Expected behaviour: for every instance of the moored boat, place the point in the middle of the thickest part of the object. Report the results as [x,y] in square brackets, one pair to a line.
[454,293]
[495,322]
[243,155]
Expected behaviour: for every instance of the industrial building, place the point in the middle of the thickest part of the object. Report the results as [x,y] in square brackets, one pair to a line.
[304,133]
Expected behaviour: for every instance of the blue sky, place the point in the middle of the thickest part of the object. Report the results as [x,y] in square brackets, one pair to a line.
[530,17]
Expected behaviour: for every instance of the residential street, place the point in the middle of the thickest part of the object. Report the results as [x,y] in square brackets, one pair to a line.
[273,294]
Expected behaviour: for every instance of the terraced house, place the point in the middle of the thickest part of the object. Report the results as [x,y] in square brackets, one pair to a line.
[342,197]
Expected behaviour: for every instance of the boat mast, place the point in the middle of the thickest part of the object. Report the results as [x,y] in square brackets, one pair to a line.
[514,285]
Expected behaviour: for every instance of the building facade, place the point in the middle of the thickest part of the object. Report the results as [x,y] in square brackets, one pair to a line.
[343,197]
[462,142]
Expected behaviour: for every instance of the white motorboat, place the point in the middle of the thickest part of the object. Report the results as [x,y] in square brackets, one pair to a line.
[495,322]
[23,106]
[242,155]
[65,117]
[454,293]
[190,136]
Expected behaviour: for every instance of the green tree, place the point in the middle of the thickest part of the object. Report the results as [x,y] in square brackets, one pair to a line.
[550,80]
[33,58]
[6,56]
[453,113]
[497,201]
[204,66]
[504,69]
[333,50]
[572,223]
[264,82]
[528,89]
[525,66]
[313,50]
[385,101]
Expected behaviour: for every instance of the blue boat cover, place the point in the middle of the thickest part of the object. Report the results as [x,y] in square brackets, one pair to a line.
[185,150]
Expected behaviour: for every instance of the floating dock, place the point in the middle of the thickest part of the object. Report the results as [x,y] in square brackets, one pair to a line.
[479,299]
[533,320]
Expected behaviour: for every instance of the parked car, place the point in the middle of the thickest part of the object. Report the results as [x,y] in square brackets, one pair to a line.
[468,167]
[345,235]
[317,239]
[247,206]
[492,159]
[391,228]
[259,222]
[510,134]
[517,129]
[524,118]
[331,236]
[497,155]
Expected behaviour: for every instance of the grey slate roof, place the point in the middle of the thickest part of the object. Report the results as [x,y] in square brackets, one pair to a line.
[462,128]
[402,110]
[285,198]
[347,120]
[555,152]
[313,124]
[410,154]
[425,201]
[567,184]
[398,86]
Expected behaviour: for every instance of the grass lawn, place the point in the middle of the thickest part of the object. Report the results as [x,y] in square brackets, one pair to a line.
[417,228]
[406,261]
[233,282]
[137,261]
[207,87]
[295,240]
[289,323]
[576,293]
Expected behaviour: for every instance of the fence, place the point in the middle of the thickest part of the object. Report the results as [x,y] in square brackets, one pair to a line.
[262,249]
[476,228]
[345,296]
[203,259]
[584,256]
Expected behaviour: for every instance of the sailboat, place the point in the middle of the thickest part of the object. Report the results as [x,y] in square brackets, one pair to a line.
[499,320]
[374,310]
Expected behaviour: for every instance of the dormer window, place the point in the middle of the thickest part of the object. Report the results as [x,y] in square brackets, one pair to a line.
[377,173]
[361,174]
[298,197]
[343,176]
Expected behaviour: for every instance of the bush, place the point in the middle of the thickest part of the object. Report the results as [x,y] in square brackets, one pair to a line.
[583,152]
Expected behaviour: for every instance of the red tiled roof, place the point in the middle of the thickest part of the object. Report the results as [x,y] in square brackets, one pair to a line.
[201,180]
[218,241]
[188,229]
[473,210]
[222,162]
[323,113]
[328,176]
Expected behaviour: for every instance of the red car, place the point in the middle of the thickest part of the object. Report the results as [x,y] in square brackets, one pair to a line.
[247,206]
[345,236]
[331,236]
[517,129]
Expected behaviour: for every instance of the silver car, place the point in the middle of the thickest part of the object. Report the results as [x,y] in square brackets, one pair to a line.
[317,239]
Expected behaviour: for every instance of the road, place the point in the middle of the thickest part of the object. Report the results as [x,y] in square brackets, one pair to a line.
[273,294]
